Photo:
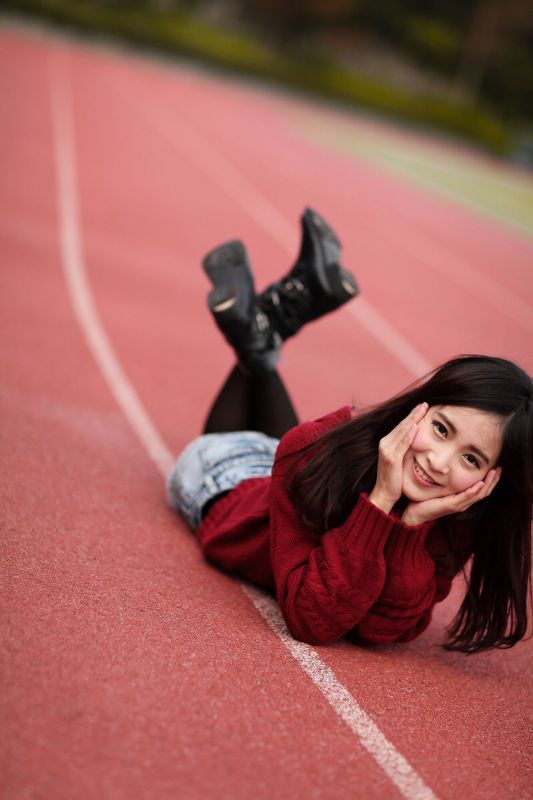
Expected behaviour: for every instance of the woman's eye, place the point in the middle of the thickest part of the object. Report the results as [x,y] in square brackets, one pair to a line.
[472,460]
[440,428]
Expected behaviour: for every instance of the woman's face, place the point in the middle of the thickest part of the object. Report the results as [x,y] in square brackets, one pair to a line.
[454,448]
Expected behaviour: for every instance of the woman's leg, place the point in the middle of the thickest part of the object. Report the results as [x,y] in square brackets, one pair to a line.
[250,402]
[253,396]
[272,410]
[232,407]
[256,325]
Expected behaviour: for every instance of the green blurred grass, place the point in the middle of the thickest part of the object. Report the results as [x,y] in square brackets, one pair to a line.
[487,186]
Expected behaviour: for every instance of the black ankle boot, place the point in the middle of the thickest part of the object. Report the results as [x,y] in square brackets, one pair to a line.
[316,285]
[232,302]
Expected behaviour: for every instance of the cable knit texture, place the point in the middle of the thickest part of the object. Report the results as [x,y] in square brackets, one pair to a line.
[373,578]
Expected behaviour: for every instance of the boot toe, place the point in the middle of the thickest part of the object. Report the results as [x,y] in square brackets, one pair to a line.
[323,251]
[313,219]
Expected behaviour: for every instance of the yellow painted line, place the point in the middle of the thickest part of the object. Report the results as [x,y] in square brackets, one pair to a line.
[498,192]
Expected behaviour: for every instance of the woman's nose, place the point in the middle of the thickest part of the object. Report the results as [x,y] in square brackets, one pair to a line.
[439,460]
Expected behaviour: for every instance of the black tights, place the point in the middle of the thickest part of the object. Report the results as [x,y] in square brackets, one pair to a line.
[249,403]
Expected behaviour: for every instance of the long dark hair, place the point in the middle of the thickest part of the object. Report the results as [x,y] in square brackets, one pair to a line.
[343,463]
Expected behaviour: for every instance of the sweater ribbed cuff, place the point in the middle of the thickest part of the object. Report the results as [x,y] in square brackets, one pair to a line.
[406,545]
[403,544]
[220,509]
[370,521]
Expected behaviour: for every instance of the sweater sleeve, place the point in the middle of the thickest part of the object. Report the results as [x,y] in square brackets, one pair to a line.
[405,608]
[325,585]
[411,589]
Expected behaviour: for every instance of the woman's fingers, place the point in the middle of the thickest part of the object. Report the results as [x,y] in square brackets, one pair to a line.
[404,430]
[393,446]
[413,418]
[491,479]
[392,450]
[409,428]
[477,492]
[484,488]
[427,510]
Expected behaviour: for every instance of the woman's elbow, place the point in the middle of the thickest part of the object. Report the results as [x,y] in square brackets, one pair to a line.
[313,632]
[310,637]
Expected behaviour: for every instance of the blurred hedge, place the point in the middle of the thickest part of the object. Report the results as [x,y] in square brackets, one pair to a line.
[180,33]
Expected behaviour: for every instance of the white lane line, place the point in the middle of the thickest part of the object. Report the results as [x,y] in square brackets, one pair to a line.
[389,337]
[458,269]
[232,182]
[395,766]
[76,277]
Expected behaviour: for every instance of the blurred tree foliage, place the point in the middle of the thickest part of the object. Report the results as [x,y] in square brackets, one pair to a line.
[480,50]
[484,47]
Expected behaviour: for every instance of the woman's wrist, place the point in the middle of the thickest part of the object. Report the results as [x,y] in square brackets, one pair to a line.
[380,500]
[409,517]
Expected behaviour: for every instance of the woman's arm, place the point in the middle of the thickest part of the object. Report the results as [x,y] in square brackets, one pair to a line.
[417,579]
[326,584]
[389,622]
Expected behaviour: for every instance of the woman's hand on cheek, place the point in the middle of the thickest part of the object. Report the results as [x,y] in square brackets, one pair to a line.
[428,510]
[392,450]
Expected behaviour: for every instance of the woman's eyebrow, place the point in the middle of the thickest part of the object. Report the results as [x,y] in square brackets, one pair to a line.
[471,447]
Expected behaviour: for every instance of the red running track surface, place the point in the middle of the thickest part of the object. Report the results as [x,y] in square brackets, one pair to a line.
[132,668]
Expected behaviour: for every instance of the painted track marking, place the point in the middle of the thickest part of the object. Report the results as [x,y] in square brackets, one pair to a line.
[233,183]
[230,180]
[395,766]
[76,276]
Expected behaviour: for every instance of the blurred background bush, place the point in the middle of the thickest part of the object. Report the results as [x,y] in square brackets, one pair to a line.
[461,66]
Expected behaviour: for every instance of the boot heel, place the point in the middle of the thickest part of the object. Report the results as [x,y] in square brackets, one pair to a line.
[232,302]
[342,284]
[233,291]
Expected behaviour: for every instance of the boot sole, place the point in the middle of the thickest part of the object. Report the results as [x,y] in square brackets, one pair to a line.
[231,302]
[229,271]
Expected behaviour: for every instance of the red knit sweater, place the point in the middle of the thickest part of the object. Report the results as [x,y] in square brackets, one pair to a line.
[373,578]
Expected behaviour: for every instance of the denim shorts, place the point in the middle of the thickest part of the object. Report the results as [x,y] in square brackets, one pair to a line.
[216,463]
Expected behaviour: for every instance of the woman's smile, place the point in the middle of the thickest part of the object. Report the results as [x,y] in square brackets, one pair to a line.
[421,475]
